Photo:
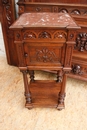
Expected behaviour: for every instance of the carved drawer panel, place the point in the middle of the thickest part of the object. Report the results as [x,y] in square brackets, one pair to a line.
[44,53]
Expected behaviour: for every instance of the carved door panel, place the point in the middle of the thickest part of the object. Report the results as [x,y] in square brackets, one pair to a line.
[44,54]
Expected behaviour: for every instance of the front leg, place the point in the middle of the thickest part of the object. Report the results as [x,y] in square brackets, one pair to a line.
[27,90]
[61,95]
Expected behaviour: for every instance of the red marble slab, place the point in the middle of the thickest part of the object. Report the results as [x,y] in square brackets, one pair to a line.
[63,20]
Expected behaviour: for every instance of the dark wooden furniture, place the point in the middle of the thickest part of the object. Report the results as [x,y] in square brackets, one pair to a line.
[7,13]
[78,10]
[44,41]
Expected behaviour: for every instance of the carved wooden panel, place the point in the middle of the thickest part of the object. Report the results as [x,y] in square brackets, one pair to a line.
[73,9]
[57,1]
[8,17]
[45,34]
[81,42]
[45,54]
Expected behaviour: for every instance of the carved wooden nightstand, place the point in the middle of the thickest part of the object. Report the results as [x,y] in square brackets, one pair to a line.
[44,41]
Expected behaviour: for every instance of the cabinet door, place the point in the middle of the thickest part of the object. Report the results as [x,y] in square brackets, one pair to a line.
[44,54]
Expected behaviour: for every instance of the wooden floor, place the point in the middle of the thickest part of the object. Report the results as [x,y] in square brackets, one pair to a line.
[14,115]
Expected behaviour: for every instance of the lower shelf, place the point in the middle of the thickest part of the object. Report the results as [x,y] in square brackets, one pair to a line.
[44,94]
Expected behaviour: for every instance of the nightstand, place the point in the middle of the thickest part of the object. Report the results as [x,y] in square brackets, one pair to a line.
[44,41]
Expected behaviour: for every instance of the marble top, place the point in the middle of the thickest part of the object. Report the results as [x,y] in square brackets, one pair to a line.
[63,20]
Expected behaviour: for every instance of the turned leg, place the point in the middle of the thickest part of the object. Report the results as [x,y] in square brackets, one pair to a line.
[61,95]
[59,76]
[27,90]
[31,73]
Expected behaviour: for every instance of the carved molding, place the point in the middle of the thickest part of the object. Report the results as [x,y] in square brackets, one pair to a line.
[44,34]
[81,42]
[52,8]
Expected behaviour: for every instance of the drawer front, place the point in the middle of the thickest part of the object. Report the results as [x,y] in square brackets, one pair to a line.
[44,54]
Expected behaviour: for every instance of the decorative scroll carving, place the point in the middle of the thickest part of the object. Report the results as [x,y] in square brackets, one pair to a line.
[44,35]
[29,35]
[81,42]
[4,1]
[8,14]
[60,35]
[76,69]
[45,55]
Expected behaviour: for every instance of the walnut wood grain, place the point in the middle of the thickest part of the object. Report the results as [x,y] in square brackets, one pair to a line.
[44,41]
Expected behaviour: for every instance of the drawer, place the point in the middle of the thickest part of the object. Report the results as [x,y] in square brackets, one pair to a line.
[44,54]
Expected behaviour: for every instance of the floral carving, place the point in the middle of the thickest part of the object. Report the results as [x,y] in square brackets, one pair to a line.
[60,35]
[76,69]
[29,35]
[44,35]
[81,42]
[45,55]
[8,12]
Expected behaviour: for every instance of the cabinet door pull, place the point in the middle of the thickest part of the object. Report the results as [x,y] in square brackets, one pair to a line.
[25,54]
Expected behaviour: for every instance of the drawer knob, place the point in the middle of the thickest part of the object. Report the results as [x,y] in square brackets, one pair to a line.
[25,54]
